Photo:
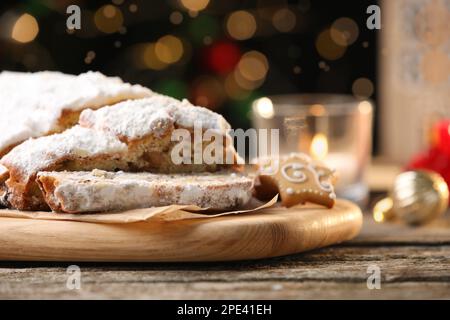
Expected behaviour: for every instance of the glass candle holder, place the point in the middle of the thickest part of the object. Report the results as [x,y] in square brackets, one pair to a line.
[335,129]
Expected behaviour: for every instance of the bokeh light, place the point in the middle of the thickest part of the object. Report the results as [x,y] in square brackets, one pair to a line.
[204,26]
[108,19]
[365,107]
[172,87]
[297,69]
[317,110]
[176,17]
[133,8]
[344,31]
[284,20]
[264,107]
[327,48]
[233,90]
[195,5]
[169,49]
[222,57]
[25,29]
[362,88]
[150,59]
[90,55]
[245,83]
[208,92]
[241,25]
[253,66]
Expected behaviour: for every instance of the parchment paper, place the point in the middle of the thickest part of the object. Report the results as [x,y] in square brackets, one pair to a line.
[167,213]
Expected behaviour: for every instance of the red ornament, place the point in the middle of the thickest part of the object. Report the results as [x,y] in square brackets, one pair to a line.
[222,57]
[442,131]
[437,158]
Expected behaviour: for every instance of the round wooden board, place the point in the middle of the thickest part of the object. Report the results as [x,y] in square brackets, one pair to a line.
[267,233]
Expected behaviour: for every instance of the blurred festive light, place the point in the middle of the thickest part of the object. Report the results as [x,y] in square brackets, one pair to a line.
[133,7]
[324,66]
[241,25]
[365,44]
[365,107]
[169,49]
[344,31]
[222,57]
[108,19]
[319,146]
[233,89]
[172,87]
[317,110]
[253,66]
[203,26]
[118,2]
[362,88]
[90,55]
[284,20]
[297,69]
[327,48]
[195,5]
[245,83]
[176,17]
[150,59]
[117,44]
[193,14]
[109,11]
[264,107]
[25,29]
[208,92]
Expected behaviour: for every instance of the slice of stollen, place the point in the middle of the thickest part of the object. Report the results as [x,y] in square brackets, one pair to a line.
[101,191]
[42,103]
[4,175]
[131,136]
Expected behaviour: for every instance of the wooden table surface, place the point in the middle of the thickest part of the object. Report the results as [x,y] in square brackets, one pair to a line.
[414,263]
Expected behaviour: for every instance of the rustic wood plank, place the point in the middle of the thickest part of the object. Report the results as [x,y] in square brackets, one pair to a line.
[373,233]
[228,290]
[406,272]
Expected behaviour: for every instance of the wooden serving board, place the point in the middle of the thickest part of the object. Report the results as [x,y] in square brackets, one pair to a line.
[267,233]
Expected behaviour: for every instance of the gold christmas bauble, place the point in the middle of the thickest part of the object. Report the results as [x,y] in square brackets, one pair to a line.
[419,196]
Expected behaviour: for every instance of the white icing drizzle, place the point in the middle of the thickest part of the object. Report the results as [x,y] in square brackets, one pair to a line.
[295,179]
[318,174]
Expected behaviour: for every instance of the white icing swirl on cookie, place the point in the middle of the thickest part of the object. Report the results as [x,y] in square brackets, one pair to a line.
[298,176]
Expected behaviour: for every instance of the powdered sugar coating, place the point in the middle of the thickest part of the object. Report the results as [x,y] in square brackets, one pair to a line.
[78,142]
[135,119]
[32,103]
[105,191]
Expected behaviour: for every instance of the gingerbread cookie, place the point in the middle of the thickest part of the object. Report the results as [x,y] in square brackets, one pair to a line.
[297,178]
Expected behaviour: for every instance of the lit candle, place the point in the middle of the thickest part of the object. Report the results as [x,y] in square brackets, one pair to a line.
[345,164]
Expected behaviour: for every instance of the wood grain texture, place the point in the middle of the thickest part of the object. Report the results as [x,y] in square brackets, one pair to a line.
[414,264]
[407,272]
[267,233]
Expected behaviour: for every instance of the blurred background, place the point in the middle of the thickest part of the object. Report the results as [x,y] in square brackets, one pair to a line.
[219,54]
[250,60]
